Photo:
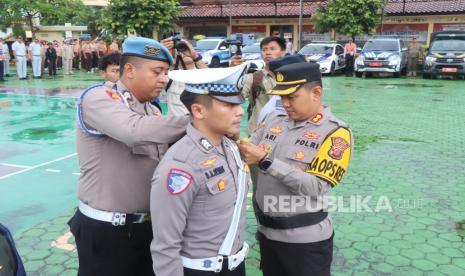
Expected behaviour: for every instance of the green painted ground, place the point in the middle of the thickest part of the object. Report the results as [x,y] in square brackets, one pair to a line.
[409,152]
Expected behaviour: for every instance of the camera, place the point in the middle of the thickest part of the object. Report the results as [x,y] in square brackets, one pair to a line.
[234,45]
[178,44]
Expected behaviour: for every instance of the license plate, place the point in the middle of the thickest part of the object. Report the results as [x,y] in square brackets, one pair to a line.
[449,70]
[375,64]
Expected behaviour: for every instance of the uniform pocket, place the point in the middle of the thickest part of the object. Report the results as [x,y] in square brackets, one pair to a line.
[221,196]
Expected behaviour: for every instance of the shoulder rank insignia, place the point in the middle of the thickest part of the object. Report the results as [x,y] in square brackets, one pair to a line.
[311,135]
[317,118]
[205,144]
[332,160]
[178,181]
[157,113]
[114,95]
[209,162]
[276,130]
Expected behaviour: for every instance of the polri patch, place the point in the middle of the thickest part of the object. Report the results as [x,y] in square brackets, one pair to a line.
[178,181]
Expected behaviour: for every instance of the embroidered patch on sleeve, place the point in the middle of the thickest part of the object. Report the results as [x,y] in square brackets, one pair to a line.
[332,160]
[178,181]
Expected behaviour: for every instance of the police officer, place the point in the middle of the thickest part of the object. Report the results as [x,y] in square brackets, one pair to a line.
[413,54]
[301,155]
[120,140]
[258,84]
[351,49]
[6,52]
[19,53]
[198,197]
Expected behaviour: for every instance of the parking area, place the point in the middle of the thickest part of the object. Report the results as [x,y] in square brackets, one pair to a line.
[400,207]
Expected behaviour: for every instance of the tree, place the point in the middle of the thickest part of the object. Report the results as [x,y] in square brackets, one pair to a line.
[33,12]
[349,17]
[142,16]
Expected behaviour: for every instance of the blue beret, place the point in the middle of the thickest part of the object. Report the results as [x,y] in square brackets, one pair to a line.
[146,48]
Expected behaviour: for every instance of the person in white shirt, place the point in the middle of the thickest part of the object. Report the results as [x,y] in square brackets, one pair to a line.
[34,55]
[6,52]
[19,52]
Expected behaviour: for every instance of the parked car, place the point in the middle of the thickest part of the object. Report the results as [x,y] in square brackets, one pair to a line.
[330,56]
[214,51]
[446,55]
[253,53]
[382,55]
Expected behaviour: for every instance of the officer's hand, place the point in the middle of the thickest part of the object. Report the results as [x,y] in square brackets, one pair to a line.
[252,154]
[236,60]
[191,52]
[168,43]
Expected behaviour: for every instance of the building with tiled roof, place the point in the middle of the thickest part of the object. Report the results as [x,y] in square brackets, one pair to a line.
[403,18]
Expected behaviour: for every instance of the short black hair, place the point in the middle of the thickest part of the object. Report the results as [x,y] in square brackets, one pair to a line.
[128,59]
[267,40]
[188,99]
[107,60]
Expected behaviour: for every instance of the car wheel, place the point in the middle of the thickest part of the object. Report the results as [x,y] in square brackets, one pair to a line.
[397,74]
[358,74]
[332,71]
[215,63]
[426,75]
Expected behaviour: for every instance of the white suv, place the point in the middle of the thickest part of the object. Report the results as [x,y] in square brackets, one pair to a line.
[382,55]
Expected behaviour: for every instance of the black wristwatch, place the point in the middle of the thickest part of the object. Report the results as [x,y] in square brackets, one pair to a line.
[265,163]
[198,58]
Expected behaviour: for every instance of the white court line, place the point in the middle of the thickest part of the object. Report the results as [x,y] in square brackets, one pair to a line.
[76,174]
[14,165]
[39,165]
[53,171]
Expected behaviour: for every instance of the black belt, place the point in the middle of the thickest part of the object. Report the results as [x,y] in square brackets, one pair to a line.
[296,221]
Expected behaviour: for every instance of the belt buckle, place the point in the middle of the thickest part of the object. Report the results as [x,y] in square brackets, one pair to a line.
[118,219]
[140,219]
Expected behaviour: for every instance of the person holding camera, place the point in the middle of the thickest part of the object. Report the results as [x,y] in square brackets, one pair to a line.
[257,85]
[186,59]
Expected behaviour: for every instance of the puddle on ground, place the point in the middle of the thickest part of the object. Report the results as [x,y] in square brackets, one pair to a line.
[67,91]
[460,227]
[37,134]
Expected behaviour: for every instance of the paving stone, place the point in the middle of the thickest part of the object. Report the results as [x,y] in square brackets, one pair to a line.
[412,253]
[382,267]
[459,262]
[452,252]
[438,258]
[424,265]
[38,255]
[397,260]
[451,270]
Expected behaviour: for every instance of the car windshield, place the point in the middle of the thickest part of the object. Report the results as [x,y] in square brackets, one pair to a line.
[206,44]
[254,48]
[316,49]
[448,45]
[381,45]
